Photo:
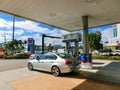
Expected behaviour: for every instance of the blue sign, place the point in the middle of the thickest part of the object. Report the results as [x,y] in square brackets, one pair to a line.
[30,45]
[86,58]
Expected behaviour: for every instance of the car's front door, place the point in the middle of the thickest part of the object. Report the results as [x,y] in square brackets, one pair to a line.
[51,59]
[42,59]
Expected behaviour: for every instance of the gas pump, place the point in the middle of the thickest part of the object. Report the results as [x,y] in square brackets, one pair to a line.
[72,39]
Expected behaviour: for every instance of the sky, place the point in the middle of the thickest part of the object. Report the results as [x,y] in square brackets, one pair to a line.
[25,29]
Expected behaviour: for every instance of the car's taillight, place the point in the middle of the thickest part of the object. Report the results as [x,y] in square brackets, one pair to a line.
[68,62]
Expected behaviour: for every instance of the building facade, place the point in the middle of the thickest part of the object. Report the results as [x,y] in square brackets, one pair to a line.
[114,41]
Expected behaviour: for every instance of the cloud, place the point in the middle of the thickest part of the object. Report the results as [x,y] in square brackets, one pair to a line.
[7,34]
[19,32]
[4,23]
[35,27]
[25,29]
[55,32]
[30,26]
[64,32]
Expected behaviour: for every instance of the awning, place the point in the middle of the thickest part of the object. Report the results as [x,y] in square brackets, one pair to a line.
[65,14]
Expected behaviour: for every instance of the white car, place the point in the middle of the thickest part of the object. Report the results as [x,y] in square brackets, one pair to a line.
[116,52]
[95,52]
[54,63]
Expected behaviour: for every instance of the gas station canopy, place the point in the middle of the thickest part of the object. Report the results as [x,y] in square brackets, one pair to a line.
[65,14]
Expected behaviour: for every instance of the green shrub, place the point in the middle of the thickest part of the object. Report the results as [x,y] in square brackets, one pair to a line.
[108,57]
[115,58]
[99,56]
[18,56]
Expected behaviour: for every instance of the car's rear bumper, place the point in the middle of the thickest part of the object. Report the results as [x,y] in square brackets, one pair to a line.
[67,69]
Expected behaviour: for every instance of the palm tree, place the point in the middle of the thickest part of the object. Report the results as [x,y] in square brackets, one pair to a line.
[21,45]
[15,46]
[25,43]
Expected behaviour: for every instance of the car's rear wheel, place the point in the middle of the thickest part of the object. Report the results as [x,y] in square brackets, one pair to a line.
[30,66]
[55,71]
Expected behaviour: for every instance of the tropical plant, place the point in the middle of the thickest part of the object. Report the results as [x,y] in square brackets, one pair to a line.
[15,46]
[94,41]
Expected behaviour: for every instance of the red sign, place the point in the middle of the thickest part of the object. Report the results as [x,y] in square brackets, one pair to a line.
[118,44]
[30,40]
[1,49]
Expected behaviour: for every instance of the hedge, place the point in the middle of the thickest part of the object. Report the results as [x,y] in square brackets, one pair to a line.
[108,57]
[18,56]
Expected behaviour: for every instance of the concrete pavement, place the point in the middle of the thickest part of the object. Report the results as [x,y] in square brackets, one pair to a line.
[103,71]
[12,75]
[10,64]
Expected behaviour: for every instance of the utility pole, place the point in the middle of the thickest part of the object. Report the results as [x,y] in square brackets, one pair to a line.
[13,27]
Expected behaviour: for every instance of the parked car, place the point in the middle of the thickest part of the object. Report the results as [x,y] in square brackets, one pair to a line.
[116,52]
[95,52]
[54,63]
[105,51]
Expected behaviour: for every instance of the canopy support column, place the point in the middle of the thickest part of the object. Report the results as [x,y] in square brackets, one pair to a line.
[85,34]
[86,58]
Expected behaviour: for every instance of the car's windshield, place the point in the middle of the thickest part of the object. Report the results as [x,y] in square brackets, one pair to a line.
[33,55]
[64,55]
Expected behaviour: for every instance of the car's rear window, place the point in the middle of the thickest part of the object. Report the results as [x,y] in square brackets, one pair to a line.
[64,55]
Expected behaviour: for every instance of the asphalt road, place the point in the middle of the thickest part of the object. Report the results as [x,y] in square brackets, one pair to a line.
[6,65]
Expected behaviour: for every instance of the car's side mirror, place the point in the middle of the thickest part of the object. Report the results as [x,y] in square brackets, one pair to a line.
[37,58]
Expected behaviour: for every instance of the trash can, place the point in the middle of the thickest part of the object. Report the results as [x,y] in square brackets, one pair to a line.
[86,61]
